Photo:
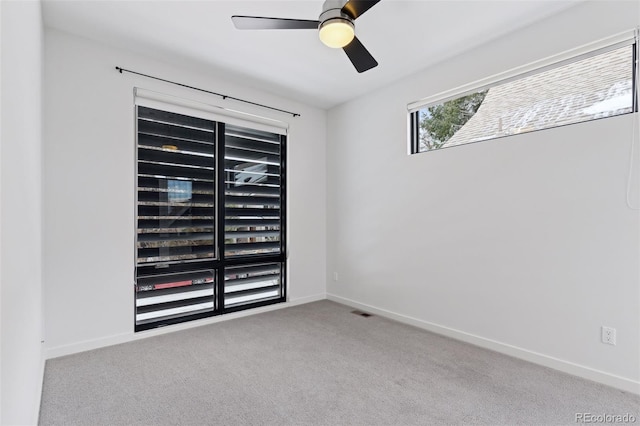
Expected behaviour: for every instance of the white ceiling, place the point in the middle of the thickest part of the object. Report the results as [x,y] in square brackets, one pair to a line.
[404,37]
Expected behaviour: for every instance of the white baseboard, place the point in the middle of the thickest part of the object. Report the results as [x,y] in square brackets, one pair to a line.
[306,299]
[87,345]
[514,351]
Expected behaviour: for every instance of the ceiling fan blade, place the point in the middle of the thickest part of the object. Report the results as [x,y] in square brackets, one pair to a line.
[264,23]
[359,56]
[355,8]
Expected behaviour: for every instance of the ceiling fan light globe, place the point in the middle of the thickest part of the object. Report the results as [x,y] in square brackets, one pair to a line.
[337,33]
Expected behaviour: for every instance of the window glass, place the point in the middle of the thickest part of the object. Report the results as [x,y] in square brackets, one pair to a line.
[210,218]
[592,88]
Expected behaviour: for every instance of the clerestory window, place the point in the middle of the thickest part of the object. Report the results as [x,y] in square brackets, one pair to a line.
[592,86]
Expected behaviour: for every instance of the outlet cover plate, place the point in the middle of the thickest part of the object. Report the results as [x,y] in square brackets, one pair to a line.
[609,335]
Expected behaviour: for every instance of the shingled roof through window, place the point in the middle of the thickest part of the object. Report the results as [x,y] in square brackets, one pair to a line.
[592,88]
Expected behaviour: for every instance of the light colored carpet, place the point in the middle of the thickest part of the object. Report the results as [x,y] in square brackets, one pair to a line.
[313,364]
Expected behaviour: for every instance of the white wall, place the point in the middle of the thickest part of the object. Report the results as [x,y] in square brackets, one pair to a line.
[0,212]
[523,244]
[20,212]
[89,187]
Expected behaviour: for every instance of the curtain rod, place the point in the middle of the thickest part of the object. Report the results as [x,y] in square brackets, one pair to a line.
[121,70]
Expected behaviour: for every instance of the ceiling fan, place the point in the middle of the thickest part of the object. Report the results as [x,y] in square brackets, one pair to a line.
[335,26]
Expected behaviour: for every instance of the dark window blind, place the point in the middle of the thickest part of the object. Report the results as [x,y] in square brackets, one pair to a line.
[253,215]
[176,220]
[252,193]
[210,218]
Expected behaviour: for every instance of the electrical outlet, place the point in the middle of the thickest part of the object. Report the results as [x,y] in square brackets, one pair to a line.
[609,335]
[335,276]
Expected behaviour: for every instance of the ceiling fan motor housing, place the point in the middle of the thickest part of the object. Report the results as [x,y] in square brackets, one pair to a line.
[336,28]
[333,4]
[332,10]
